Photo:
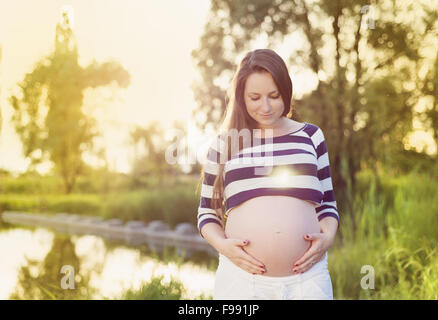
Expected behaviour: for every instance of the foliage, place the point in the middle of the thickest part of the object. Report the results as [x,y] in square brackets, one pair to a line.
[173,202]
[48,115]
[156,289]
[396,235]
[154,159]
[367,72]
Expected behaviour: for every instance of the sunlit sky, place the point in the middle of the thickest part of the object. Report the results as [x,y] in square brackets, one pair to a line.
[153,40]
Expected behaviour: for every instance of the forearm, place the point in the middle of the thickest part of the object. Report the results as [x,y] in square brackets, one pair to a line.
[213,234]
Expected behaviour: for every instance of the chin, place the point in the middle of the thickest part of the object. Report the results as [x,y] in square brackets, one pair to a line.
[271,120]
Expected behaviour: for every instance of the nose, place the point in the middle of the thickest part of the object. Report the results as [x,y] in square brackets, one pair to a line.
[266,107]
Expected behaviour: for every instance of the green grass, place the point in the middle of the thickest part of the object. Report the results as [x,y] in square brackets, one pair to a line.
[397,234]
[173,205]
[156,289]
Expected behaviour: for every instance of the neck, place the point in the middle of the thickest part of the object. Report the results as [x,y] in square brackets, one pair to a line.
[272,130]
[278,124]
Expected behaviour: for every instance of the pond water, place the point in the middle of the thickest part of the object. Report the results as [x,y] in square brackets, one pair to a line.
[31,259]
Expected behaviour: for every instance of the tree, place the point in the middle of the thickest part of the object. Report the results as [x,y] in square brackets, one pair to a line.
[153,161]
[430,89]
[430,83]
[366,70]
[48,114]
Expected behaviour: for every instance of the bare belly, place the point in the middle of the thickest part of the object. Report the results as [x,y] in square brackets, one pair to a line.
[275,227]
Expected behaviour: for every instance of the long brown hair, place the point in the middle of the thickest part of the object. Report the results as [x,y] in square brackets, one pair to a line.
[236,116]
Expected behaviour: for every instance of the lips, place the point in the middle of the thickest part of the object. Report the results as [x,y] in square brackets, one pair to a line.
[266,115]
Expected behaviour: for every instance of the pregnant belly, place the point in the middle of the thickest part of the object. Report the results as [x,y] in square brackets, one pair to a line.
[275,227]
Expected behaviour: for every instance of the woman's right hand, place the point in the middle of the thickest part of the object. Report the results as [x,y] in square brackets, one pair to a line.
[233,250]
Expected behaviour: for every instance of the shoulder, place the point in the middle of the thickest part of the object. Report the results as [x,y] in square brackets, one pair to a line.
[295,125]
[311,128]
[216,143]
[315,133]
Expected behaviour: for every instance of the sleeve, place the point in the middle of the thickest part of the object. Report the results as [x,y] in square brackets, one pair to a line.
[206,214]
[328,206]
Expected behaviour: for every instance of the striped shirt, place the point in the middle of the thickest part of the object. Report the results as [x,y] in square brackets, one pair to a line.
[295,164]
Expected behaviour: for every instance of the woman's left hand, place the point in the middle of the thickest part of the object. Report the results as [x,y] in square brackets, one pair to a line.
[321,242]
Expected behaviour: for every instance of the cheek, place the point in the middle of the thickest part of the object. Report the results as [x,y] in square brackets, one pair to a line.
[251,106]
[278,104]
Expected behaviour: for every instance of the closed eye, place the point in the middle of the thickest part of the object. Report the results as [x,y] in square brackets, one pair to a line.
[276,97]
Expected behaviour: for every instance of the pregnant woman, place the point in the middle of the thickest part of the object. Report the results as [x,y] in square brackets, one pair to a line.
[267,202]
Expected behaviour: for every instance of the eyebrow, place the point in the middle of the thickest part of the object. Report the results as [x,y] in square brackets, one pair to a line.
[258,93]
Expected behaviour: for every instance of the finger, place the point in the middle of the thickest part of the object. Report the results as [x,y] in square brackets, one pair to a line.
[305,257]
[308,264]
[258,265]
[245,255]
[312,236]
[248,266]
[304,266]
[250,259]
[241,242]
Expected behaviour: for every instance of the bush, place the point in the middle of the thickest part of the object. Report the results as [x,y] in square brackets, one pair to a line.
[74,203]
[175,205]
[156,289]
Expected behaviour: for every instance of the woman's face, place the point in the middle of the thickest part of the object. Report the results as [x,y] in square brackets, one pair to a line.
[263,100]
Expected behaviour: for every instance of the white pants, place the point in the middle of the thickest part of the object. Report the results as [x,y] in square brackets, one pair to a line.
[234,283]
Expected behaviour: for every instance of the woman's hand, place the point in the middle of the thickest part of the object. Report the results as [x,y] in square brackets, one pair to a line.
[233,250]
[321,242]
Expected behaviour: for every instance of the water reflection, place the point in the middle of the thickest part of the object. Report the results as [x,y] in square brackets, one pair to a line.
[32,259]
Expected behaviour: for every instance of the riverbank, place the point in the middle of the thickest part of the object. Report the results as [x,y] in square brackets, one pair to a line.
[173,205]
